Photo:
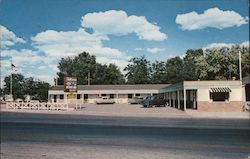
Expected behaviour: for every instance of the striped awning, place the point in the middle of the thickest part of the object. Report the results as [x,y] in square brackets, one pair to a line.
[220,89]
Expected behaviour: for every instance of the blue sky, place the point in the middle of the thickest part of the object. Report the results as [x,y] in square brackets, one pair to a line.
[38,33]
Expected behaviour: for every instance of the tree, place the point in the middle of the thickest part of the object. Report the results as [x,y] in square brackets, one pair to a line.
[17,85]
[40,90]
[1,92]
[138,71]
[174,67]
[159,72]
[26,86]
[190,62]
[114,75]
[222,64]
[79,67]
[107,74]
[85,65]
[245,56]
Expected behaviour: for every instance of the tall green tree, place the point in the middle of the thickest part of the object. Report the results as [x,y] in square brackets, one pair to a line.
[84,66]
[245,56]
[174,67]
[190,62]
[40,90]
[159,72]
[114,75]
[79,67]
[26,86]
[17,85]
[222,64]
[138,71]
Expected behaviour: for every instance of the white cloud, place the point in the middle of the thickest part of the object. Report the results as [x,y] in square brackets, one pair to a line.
[219,45]
[229,45]
[26,57]
[115,22]
[245,44]
[42,67]
[151,50]
[118,62]
[139,49]
[8,38]
[54,67]
[155,50]
[51,45]
[71,43]
[213,17]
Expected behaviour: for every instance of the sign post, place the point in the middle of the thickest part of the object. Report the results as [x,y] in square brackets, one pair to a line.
[70,86]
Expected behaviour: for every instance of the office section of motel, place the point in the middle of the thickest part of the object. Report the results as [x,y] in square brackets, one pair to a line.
[210,96]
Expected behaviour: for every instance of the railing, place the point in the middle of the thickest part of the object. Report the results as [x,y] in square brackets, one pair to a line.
[36,106]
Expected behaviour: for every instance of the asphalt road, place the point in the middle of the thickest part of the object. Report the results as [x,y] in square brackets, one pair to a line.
[68,136]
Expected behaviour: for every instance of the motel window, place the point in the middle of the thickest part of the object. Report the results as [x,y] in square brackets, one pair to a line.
[61,96]
[137,94]
[111,96]
[130,95]
[86,96]
[103,95]
[219,96]
[78,96]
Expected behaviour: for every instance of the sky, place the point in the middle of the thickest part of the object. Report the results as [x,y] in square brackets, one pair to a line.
[35,35]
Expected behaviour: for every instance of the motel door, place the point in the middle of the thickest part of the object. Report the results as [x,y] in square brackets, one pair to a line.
[55,98]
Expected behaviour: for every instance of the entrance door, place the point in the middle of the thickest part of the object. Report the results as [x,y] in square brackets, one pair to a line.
[54,98]
[192,99]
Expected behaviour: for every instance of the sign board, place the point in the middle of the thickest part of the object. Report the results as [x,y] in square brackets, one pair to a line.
[70,84]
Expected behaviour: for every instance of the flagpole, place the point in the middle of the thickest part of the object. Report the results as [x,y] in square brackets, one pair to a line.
[240,73]
[11,76]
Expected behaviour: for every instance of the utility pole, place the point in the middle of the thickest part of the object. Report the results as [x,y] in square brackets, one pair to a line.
[89,78]
[240,73]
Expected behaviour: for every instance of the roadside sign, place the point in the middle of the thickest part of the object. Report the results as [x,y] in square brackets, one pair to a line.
[70,84]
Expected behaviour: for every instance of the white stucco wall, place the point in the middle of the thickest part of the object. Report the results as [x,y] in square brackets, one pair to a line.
[236,94]
[95,94]
[203,95]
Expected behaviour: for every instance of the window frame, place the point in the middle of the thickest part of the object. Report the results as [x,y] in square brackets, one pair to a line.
[226,97]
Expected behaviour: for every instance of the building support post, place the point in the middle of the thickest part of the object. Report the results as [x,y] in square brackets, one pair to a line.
[174,99]
[117,98]
[184,100]
[178,96]
[170,102]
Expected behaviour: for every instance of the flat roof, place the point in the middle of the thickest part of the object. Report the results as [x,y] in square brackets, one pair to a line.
[115,87]
[201,84]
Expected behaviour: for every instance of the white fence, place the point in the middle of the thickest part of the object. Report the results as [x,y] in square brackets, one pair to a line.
[36,106]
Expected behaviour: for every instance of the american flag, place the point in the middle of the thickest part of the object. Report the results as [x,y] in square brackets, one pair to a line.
[13,68]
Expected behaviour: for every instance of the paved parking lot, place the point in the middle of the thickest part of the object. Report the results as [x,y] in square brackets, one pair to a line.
[131,110]
[135,110]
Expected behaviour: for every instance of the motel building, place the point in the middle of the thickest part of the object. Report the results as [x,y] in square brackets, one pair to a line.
[208,96]
[91,93]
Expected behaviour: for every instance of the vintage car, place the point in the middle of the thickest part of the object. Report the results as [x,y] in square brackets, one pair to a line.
[154,101]
[105,100]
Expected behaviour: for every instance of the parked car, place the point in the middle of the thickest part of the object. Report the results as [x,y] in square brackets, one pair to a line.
[18,100]
[135,100]
[154,101]
[105,100]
